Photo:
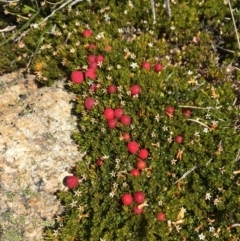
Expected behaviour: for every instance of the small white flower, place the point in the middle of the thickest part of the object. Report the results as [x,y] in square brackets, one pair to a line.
[208,196]
[216,201]
[115,185]
[205,130]
[104,91]
[160,203]
[150,45]
[109,77]
[201,236]
[196,134]
[111,194]
[125,12]
[113,174]
[132,56]
[84,176]
[77,193]
[173,161]
[103,130]
[132,126]
[83,128]
[122,102]
[178,228]
[153,134]
[119,88]
[211,229]
[93,120]
[222,169]
[106,16]
[119,66]
[73,203]
[55,234]
[169,139]
[80,208]
[85,67]
[208,116]
[125,184]
[189,72]
[134,65]
[173,28]
[105,157]
[157,117]
[99,64]
[165,128]
[120,30]
[118,161]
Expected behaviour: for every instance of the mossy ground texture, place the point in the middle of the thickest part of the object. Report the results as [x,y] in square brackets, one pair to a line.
[195,182]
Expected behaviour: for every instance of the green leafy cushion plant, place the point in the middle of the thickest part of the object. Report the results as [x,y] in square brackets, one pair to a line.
[178,145]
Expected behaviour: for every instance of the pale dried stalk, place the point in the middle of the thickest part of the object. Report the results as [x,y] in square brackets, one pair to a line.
[234,23]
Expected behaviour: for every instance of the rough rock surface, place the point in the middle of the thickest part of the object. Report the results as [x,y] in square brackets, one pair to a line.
[36,152]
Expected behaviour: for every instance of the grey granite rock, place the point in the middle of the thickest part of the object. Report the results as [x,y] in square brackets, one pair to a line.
[36,152]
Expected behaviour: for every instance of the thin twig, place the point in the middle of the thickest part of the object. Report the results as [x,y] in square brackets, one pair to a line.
[227,50]
[153,9]
[234,23]
[186,174]
[168,8]
[238,156]
[199,122]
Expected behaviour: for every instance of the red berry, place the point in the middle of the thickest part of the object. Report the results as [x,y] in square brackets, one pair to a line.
[99,162]
[90,73]
[77,77]
[161,216]
[71,181]
[143,154]
[126,137]
[89,103]
[141,164]
[169,110]
[108,48]
[139,197]
[109,113]
[135,172]
[87,33]
[112,89]
[99,58]
[135,89]
[112,123]
[93,65]
[178,139]
[137,210]
[118,113]
[125,120]
[91,59]
[186,112]
[91,46]
[158,67]
[132,147]
[146,65]
[127,199]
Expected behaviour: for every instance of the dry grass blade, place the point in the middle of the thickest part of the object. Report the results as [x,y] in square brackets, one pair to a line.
[234,23]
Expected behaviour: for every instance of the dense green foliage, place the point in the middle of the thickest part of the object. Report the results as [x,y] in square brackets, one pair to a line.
[194,183]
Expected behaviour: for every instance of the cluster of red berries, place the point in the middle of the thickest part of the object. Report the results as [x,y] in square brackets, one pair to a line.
[147,66]
[112,115]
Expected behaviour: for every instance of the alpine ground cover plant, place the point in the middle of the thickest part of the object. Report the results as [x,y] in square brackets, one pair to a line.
[158,119]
